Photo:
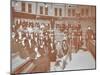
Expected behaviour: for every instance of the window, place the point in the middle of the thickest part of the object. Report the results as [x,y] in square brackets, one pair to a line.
[23,7]
[41,10]
[55,11]
[60,12]
[73,12]
[82,12]
[69,12]
[87,12]
[29,8]
[46,10]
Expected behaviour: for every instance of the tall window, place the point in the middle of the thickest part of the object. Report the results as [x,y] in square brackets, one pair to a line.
[87,12]
[46,10]
[82,12]
[60,12]
[23,7]
[73,12]
[69,12]
[41,9]
[29,8]
[55,11]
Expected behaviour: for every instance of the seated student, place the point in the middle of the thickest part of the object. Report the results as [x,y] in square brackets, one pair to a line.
[79,39]
[89,34]
[90,42]
[52,52]
[42,62]
[15,41]
[60,53]
[36,38]
[23,52]
[42,47]
[13,28]
[58,66]
[65,47]
[14,45]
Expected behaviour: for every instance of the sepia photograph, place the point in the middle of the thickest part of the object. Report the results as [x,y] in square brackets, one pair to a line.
[52,37]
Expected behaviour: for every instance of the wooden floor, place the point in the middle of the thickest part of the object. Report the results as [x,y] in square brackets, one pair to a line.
[42,64]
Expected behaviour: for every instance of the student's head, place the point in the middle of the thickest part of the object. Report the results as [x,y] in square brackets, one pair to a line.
[89,27]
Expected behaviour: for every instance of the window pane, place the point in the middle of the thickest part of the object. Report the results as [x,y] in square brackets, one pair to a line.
[69,12]
[55,11]
[46,10]
[87,12]
[82,12]
[29,8]
[60,12]
[41,10]
[73,12]
[23,7]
